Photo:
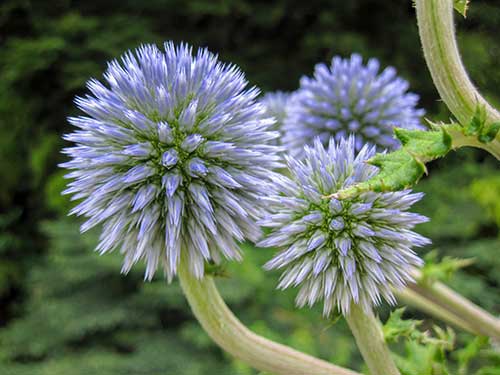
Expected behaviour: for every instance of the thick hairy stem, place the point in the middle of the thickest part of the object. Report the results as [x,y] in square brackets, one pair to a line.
[458,139]
[477,320]
[437,34]
[442,302]
[370,340]
[232,336]
[417,300]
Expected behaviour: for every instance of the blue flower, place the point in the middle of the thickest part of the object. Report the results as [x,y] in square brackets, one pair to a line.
[275,104]
[340,251]
[350,98]
[171,157]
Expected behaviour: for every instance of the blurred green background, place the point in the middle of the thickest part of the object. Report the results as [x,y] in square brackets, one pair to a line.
[65,310]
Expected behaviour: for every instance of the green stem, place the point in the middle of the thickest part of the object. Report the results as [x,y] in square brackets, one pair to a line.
[442,302]
[478,321]
[416,299]
[370,339]
[437,34]
[460,140]
[232,336]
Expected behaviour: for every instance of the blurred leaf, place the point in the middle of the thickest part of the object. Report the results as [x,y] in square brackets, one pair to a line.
[441,270]
[486,191]
[41,154]
[425,355]
[461,6]
[466,354]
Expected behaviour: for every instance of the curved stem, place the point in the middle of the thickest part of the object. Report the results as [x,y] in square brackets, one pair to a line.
[232,336]
[478,321]
[417,300]
[460,140]
[370,339]
[442,302]
[437,34]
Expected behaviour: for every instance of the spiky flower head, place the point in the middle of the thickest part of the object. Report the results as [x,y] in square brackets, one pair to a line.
[350,98]
[275,104]
[340,251]
[171,157]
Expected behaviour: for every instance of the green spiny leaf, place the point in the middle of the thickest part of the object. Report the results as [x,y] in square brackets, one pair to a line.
[444,340]
[424,142]
[396,327]
[403,168]
[425,354]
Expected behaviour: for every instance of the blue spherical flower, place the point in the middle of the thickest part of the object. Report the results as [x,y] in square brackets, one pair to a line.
[340,251]
[350,98]
[275,104]
[171,158]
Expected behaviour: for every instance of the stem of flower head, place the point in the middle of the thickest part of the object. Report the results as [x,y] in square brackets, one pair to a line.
[232,336]
[437,34]
[370,339]
[463,312]
[413,298]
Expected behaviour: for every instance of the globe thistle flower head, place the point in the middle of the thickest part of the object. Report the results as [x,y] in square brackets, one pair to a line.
[350,98]
[171,156]
[275,104]
[340,251]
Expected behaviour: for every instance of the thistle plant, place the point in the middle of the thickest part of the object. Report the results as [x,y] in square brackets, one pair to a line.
[350,253]
[350,98]
[343,252]
[171,157]
[175,159]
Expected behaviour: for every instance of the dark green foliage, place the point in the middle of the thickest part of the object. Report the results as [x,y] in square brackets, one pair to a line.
[98,319]
[66,310]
